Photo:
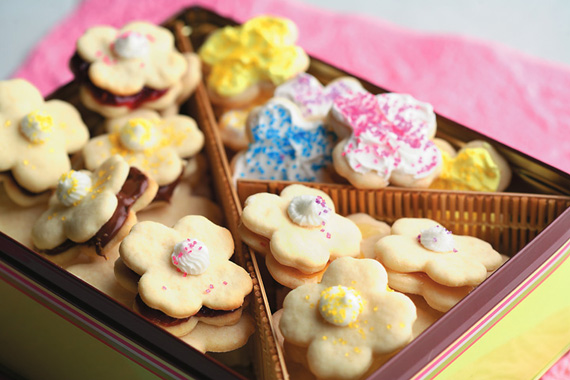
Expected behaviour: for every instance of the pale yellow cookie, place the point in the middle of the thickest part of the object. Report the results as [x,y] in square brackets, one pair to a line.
[153,144]
[125,276]
[92,211]
[209,338]
[476,167]
[36,138]
[427,316]
[258,243]
[185,267]
[348,319]
[303,228]
[372,230]
[423,245]
[291,277]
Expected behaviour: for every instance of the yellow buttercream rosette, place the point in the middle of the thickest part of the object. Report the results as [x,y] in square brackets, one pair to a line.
[261,50]
[376,321]
[36,138]
[148,142]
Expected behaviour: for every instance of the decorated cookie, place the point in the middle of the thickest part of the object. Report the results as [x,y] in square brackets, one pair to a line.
[36,138]
[148,142]
[348,320]
[313,99]
[388,143]
[372,230]
[303,230]
[185,274]
[233,130]
[92,211]
[476,167]
[245,60]
[136,66]
[284,146]
[423,245]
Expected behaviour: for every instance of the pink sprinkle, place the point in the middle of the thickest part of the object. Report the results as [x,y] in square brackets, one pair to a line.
[150,37]
[323,230]
[163,287]
[98,53]
[142,64]
[225,282]
[454,250]
[211,286]
[207,291]
[328,235]
[185,274]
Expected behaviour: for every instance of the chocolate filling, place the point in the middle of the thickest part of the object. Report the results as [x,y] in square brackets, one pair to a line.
[133,188]
[164,193]
[26,192]
[160,318]
[80,69]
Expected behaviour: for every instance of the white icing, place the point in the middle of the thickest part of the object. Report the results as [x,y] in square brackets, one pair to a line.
[131,45]
[138,134]
[37,127]
[437,239]
[408,114]
[73,187]
[191,256]
[340,305]
[372,150]
[308,211]
[418,158]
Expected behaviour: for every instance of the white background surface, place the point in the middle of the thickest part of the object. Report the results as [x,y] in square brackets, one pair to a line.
[540,28]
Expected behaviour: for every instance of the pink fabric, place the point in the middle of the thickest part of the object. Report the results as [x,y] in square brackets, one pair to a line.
[518,100]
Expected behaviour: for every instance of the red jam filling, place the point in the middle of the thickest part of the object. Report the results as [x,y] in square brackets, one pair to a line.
[160,318]
[80,69]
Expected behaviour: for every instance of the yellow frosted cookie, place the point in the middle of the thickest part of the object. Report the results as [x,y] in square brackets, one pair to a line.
[243,61]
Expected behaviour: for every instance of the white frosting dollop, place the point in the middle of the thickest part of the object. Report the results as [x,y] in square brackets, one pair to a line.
[191,256]
[131,45]
[437,239]
[37,127]
[72,187]
[138,134]
[340,305]
[309,211]
[372,150]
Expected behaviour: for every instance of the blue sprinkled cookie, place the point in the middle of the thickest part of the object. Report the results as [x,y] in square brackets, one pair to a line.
[284,146]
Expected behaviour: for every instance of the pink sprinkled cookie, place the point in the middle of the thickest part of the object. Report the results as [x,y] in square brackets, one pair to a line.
[384,146]
[36,138]
[134,67]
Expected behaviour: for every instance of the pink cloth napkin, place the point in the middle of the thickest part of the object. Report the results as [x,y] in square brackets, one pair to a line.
[518,100]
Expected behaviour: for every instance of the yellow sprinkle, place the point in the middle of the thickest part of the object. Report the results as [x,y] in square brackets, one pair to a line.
[357,350]
[402,324]
[346,354]
[26,162]
[388,327]
[325,337]
[307,297]
[8,123]
[372,329]
[63,218]
[375,308]
[353,282]
[312,305]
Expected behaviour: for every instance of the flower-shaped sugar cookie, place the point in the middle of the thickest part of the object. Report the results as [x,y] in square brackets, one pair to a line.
[135,66]
[186,267]
[153,144]
[244,59]
[389,142]
[347,320]
[95,209]
[303,228]
[476,167]
[36,138]
[313,99]
[284,146]
[423,245]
